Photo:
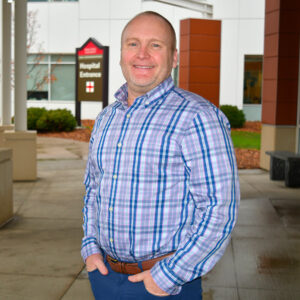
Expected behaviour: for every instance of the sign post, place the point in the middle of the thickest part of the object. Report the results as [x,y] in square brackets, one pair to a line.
[91,74]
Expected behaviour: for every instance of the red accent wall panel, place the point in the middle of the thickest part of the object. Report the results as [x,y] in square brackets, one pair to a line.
[281,62]
[199,68]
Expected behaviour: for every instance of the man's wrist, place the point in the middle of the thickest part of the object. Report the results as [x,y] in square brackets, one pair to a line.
[162,278]
[90,249]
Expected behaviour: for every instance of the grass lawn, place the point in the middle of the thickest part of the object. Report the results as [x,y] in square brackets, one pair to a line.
[246,139]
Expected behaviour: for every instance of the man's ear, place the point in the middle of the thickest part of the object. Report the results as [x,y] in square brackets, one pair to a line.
[175,58]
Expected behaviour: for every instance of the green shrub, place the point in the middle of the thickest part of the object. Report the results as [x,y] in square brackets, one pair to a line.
[33,115]
[56,120]
[236,117]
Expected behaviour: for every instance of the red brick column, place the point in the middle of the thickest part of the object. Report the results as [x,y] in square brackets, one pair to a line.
[199,68]
[281,58]
[280,76]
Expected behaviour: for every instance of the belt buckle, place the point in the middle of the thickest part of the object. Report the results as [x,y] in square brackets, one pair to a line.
[113,260]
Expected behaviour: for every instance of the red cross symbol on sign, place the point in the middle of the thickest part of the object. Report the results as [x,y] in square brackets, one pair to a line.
[89,86]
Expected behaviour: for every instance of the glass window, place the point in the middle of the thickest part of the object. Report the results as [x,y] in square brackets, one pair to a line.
[57,58]
[63,83]
[37,82]
[51,77]
[253,79]
[37,58]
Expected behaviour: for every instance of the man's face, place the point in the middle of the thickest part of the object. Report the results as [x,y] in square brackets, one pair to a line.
[147,57]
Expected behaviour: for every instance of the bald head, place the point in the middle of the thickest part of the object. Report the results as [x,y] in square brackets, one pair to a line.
[148,53]
[169,26]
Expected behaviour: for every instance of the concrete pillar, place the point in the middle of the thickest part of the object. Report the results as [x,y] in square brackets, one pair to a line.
[280,77]
[5,70]
[6,186]
[23,144]
[1,137]
[3,128]
[6,63]
[1,57]
[20,65]
[21,141]
[200,46]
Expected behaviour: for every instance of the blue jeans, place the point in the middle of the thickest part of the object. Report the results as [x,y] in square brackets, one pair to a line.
[116,286]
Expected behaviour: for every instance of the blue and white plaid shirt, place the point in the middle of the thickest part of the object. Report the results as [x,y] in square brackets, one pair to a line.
[161,176]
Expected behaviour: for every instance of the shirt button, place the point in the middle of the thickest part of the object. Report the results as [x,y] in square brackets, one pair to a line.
[120,145]
[111,240]
[128,116]
[111,209]
[115,177]
[147,102]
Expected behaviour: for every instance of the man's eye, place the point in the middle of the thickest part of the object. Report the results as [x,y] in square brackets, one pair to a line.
[155,45]
[132,44]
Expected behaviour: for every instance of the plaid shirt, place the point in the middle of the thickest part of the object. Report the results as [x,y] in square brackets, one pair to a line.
[161,176]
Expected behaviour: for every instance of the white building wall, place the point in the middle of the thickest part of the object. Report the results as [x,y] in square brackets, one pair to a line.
[57,26]
[242,33]
[67,25]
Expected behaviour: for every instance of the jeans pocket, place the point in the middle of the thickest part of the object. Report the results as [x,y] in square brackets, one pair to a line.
[93,271]
[152,296]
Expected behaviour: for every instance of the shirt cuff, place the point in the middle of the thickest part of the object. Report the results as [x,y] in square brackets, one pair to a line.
[166,279]
[89,247]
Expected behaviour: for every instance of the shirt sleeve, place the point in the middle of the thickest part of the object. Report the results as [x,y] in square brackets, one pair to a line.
[210,163]
[89,244]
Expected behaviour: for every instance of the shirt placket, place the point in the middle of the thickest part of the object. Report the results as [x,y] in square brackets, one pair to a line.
[115,177]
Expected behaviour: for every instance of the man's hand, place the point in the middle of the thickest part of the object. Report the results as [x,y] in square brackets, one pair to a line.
[149,283]
[95,261]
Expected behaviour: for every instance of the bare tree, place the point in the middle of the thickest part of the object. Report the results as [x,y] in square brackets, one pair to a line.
[39,77]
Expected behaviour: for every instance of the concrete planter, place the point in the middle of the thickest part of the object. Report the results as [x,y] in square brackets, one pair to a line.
[6,186]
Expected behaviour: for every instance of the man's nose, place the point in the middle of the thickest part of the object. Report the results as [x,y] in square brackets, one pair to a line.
[143,52]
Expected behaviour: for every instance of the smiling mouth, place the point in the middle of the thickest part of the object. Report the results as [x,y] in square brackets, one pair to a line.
[143,67]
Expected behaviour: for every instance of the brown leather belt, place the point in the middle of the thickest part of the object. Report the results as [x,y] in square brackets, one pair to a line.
[133,268]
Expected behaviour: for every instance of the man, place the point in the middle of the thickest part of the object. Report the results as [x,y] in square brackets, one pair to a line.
[161,181]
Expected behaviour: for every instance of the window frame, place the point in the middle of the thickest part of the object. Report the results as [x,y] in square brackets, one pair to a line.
[49,62]
[256,58]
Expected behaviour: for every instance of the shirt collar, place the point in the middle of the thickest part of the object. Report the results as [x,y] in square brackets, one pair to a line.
[152,96]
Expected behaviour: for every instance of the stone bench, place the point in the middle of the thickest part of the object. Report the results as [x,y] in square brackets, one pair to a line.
[285,165]
[6,186]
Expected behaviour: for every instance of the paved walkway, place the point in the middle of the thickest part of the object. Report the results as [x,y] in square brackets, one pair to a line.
[39,249]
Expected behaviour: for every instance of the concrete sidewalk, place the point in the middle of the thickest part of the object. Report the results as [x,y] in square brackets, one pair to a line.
[40,248]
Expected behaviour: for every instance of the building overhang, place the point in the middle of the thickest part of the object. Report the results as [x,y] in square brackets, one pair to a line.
[196,5]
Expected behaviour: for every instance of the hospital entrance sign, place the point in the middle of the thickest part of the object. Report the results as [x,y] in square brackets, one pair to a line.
[91,74]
